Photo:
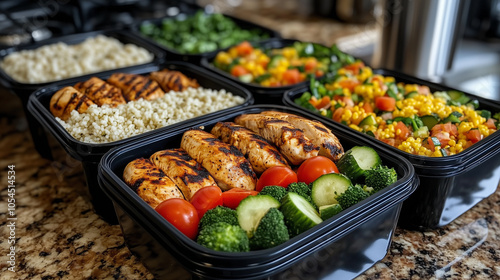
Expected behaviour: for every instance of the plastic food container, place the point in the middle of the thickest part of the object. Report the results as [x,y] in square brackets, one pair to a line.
[341,247]
[262,94]
[23,90]
[190,10]
[449,186]
[90,154]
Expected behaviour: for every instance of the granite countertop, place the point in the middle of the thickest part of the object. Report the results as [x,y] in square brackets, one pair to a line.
[58,236]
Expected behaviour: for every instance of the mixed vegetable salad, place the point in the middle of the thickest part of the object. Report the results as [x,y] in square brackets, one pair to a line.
[284,204]
[280,66]
[407,116]
[200,33]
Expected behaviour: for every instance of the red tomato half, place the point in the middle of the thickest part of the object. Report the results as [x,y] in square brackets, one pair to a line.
[206,198]
[276,176]
[232,198]
[314,167]
[181,214]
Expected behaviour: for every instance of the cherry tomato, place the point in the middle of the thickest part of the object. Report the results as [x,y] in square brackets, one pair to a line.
[276,176]
[239,70]
[314,167]
[244,48]
[232,198]
[291,76]
[181,214]
[206,198]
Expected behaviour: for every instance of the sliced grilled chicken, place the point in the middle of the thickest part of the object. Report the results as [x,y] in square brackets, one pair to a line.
[224,162]
[173,80]
[135,87]
[187,174]
[101,92]
[149,182]
[320,135]
[291,141]
[66,100]
[260,153]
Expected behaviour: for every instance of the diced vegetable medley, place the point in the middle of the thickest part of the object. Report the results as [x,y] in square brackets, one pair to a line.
[280,66]
[200,33]
[407,116]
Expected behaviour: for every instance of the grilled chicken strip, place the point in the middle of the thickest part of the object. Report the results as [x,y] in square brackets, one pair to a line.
[173,80]
[149,182]
[187,174]
[135,87]
[291,141]
[320,135]
[101,92]
[261,154]
[66,100]
[224,162]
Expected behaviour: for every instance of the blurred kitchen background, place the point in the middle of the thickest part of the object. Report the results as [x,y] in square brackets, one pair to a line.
[455,42]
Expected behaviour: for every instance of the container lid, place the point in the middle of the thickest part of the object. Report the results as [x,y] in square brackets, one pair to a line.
[262,263]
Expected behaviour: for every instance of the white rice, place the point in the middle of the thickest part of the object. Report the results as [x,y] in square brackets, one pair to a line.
[60,61]
[105,124]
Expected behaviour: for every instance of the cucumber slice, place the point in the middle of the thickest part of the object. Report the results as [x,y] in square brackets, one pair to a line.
[299,214]
[357,160]
[429,120]
[328,187]
[328,211]
[411,94]
[252,209]
[247,78]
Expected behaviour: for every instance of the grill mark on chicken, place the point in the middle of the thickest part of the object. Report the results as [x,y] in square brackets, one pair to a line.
[67,99]
[149,182]
[226,164]
[135,86]
[319,134]
[188,174]
[101,92]
[173,80]
[260,153]
[291,141]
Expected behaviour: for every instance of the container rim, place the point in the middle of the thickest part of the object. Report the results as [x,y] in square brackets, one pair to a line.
[12,84]
[118,190]
[85,149]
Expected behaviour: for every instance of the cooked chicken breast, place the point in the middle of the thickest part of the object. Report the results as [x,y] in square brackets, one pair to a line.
[260,153]
[149,182]
[187,174]
[291,141]
[329,145]
[66,100]
[135,87]
[224,162]
[101,92]
[173,80]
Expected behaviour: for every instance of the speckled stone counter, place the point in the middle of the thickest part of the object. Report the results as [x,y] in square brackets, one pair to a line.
[58,236]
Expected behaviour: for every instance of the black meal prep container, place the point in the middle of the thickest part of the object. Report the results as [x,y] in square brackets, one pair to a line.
[341,247]
[449,186]
[262,94]
[186,10]
[90,154]
[23,90]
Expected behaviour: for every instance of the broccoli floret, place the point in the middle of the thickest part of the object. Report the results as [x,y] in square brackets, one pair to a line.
[368,190]
[219,214]
[277,192]
[271,231]
[351,196]
[301,189]
[380,177]
[224,237]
